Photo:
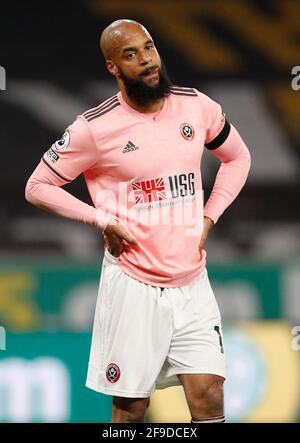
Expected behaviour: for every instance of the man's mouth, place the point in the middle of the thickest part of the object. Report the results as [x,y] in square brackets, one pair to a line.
[150,72]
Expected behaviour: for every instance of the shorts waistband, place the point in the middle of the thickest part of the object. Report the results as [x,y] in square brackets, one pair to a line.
[109,257]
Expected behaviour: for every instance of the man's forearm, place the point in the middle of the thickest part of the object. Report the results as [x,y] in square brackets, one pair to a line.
[231,176]
[43,191]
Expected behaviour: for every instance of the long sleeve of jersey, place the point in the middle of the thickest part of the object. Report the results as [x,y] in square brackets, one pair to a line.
[61,164]
[225,143]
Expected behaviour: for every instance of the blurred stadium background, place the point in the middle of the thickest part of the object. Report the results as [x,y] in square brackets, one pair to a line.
[241,53]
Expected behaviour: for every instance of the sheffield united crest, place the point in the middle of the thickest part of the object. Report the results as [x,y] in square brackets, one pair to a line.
[187,131]
[113,373]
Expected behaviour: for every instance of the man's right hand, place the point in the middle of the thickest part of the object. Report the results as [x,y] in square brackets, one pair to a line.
[118,238]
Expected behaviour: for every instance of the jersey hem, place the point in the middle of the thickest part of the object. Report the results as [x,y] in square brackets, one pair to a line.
[183,281]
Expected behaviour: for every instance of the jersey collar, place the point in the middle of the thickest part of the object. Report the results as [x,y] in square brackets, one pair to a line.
[155,116]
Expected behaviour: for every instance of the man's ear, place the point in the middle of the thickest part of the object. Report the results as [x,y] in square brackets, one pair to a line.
[112,68]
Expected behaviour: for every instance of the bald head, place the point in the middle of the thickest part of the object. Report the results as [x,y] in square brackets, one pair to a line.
[117,33]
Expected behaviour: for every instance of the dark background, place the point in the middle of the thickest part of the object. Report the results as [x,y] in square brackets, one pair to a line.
[50,51]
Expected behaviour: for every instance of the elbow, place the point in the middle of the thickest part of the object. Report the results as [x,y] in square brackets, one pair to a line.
[244,164]
[244,158]
[30,192]
[247,160]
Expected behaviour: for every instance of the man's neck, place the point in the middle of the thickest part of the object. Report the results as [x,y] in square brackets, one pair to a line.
[144,109]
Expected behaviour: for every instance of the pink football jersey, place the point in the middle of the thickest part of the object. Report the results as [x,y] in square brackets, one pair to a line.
[144,171]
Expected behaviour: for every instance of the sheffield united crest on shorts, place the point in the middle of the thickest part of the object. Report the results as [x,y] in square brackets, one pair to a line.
[113,373]
[187,131]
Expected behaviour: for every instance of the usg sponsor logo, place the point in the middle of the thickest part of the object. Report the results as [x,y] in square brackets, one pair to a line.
[163,188]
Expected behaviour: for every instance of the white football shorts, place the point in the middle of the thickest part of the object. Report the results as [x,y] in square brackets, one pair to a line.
[143,336]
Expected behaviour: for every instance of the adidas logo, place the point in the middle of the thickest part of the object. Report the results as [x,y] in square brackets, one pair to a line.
[130,147]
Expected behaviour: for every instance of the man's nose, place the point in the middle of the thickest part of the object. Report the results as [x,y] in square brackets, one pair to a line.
[145,58]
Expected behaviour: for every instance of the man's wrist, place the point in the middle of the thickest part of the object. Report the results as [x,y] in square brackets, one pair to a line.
[209,221]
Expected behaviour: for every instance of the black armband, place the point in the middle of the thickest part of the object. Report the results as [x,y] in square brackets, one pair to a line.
[221,138]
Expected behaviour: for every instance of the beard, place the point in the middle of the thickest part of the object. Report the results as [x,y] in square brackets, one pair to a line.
[142,94]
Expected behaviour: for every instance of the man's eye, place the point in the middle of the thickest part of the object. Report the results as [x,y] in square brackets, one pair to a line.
[130,55]
[149,47]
